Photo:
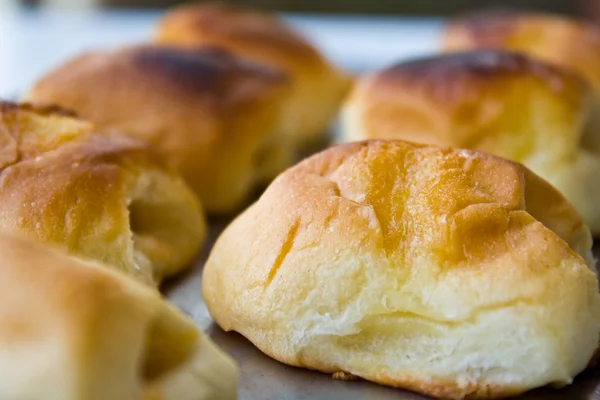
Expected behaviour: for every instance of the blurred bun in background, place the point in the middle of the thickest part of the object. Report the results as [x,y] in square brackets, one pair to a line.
[557,39]
[317,87]
[217,118]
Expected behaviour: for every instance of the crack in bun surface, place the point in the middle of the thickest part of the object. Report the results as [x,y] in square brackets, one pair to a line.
[448,272]
[96,195]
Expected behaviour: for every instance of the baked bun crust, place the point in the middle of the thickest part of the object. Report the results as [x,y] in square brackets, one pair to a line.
[560,40]
[96,196]
[498,102]
[448,272]
[73,329]
[214,116]
[318,87]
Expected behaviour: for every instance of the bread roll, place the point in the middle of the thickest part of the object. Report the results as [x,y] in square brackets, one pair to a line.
[452,273]
[96,196]
[72,330]
[561,40]
[215,117]
[498,102]
[318,87]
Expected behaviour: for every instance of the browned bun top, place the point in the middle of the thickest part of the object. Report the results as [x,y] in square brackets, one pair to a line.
[565,41]
[317,86]
[97,195]
[251,29]
[447,76]
[31,130]
[455,99]
[208,71]
[206,75]
[209,111]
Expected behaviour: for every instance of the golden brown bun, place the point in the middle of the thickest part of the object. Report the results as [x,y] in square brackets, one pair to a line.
[318,87]
[447,272]
[108,198]
[498,102]
[72,330]
[560,40]
[215,116]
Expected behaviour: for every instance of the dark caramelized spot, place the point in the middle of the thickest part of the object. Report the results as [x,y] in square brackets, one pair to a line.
[477,67]
[200,70]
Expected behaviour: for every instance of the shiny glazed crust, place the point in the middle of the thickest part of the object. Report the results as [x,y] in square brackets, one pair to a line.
[499,102]
[98,196]
[449,272]
[214,116]
[317,86]
[74,329]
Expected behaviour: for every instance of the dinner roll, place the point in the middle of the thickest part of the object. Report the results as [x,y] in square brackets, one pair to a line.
[498,102]
[97,196]
[561,40]
[215,117]
[318,86]
[448,272]
[72,330]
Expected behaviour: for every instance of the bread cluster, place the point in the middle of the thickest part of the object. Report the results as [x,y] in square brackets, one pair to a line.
[84,320]
[449,272]
[230,96]
[446,251]
[112,163]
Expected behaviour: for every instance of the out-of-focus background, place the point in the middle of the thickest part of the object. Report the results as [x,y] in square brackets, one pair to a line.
[403,7]
[357,34]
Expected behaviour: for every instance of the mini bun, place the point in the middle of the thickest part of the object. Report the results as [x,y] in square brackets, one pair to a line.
[498,102]
[73,329]
[317,86]
[561,40]
[452,273]
[97,196]
[215,117]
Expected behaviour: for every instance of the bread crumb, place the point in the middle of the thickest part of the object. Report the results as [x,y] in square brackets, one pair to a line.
[344,376]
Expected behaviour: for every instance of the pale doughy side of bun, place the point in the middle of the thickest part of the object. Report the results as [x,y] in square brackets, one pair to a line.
[499,102]
[72,329]
[214,116]
[103,197]
[318,87]
[448,272]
